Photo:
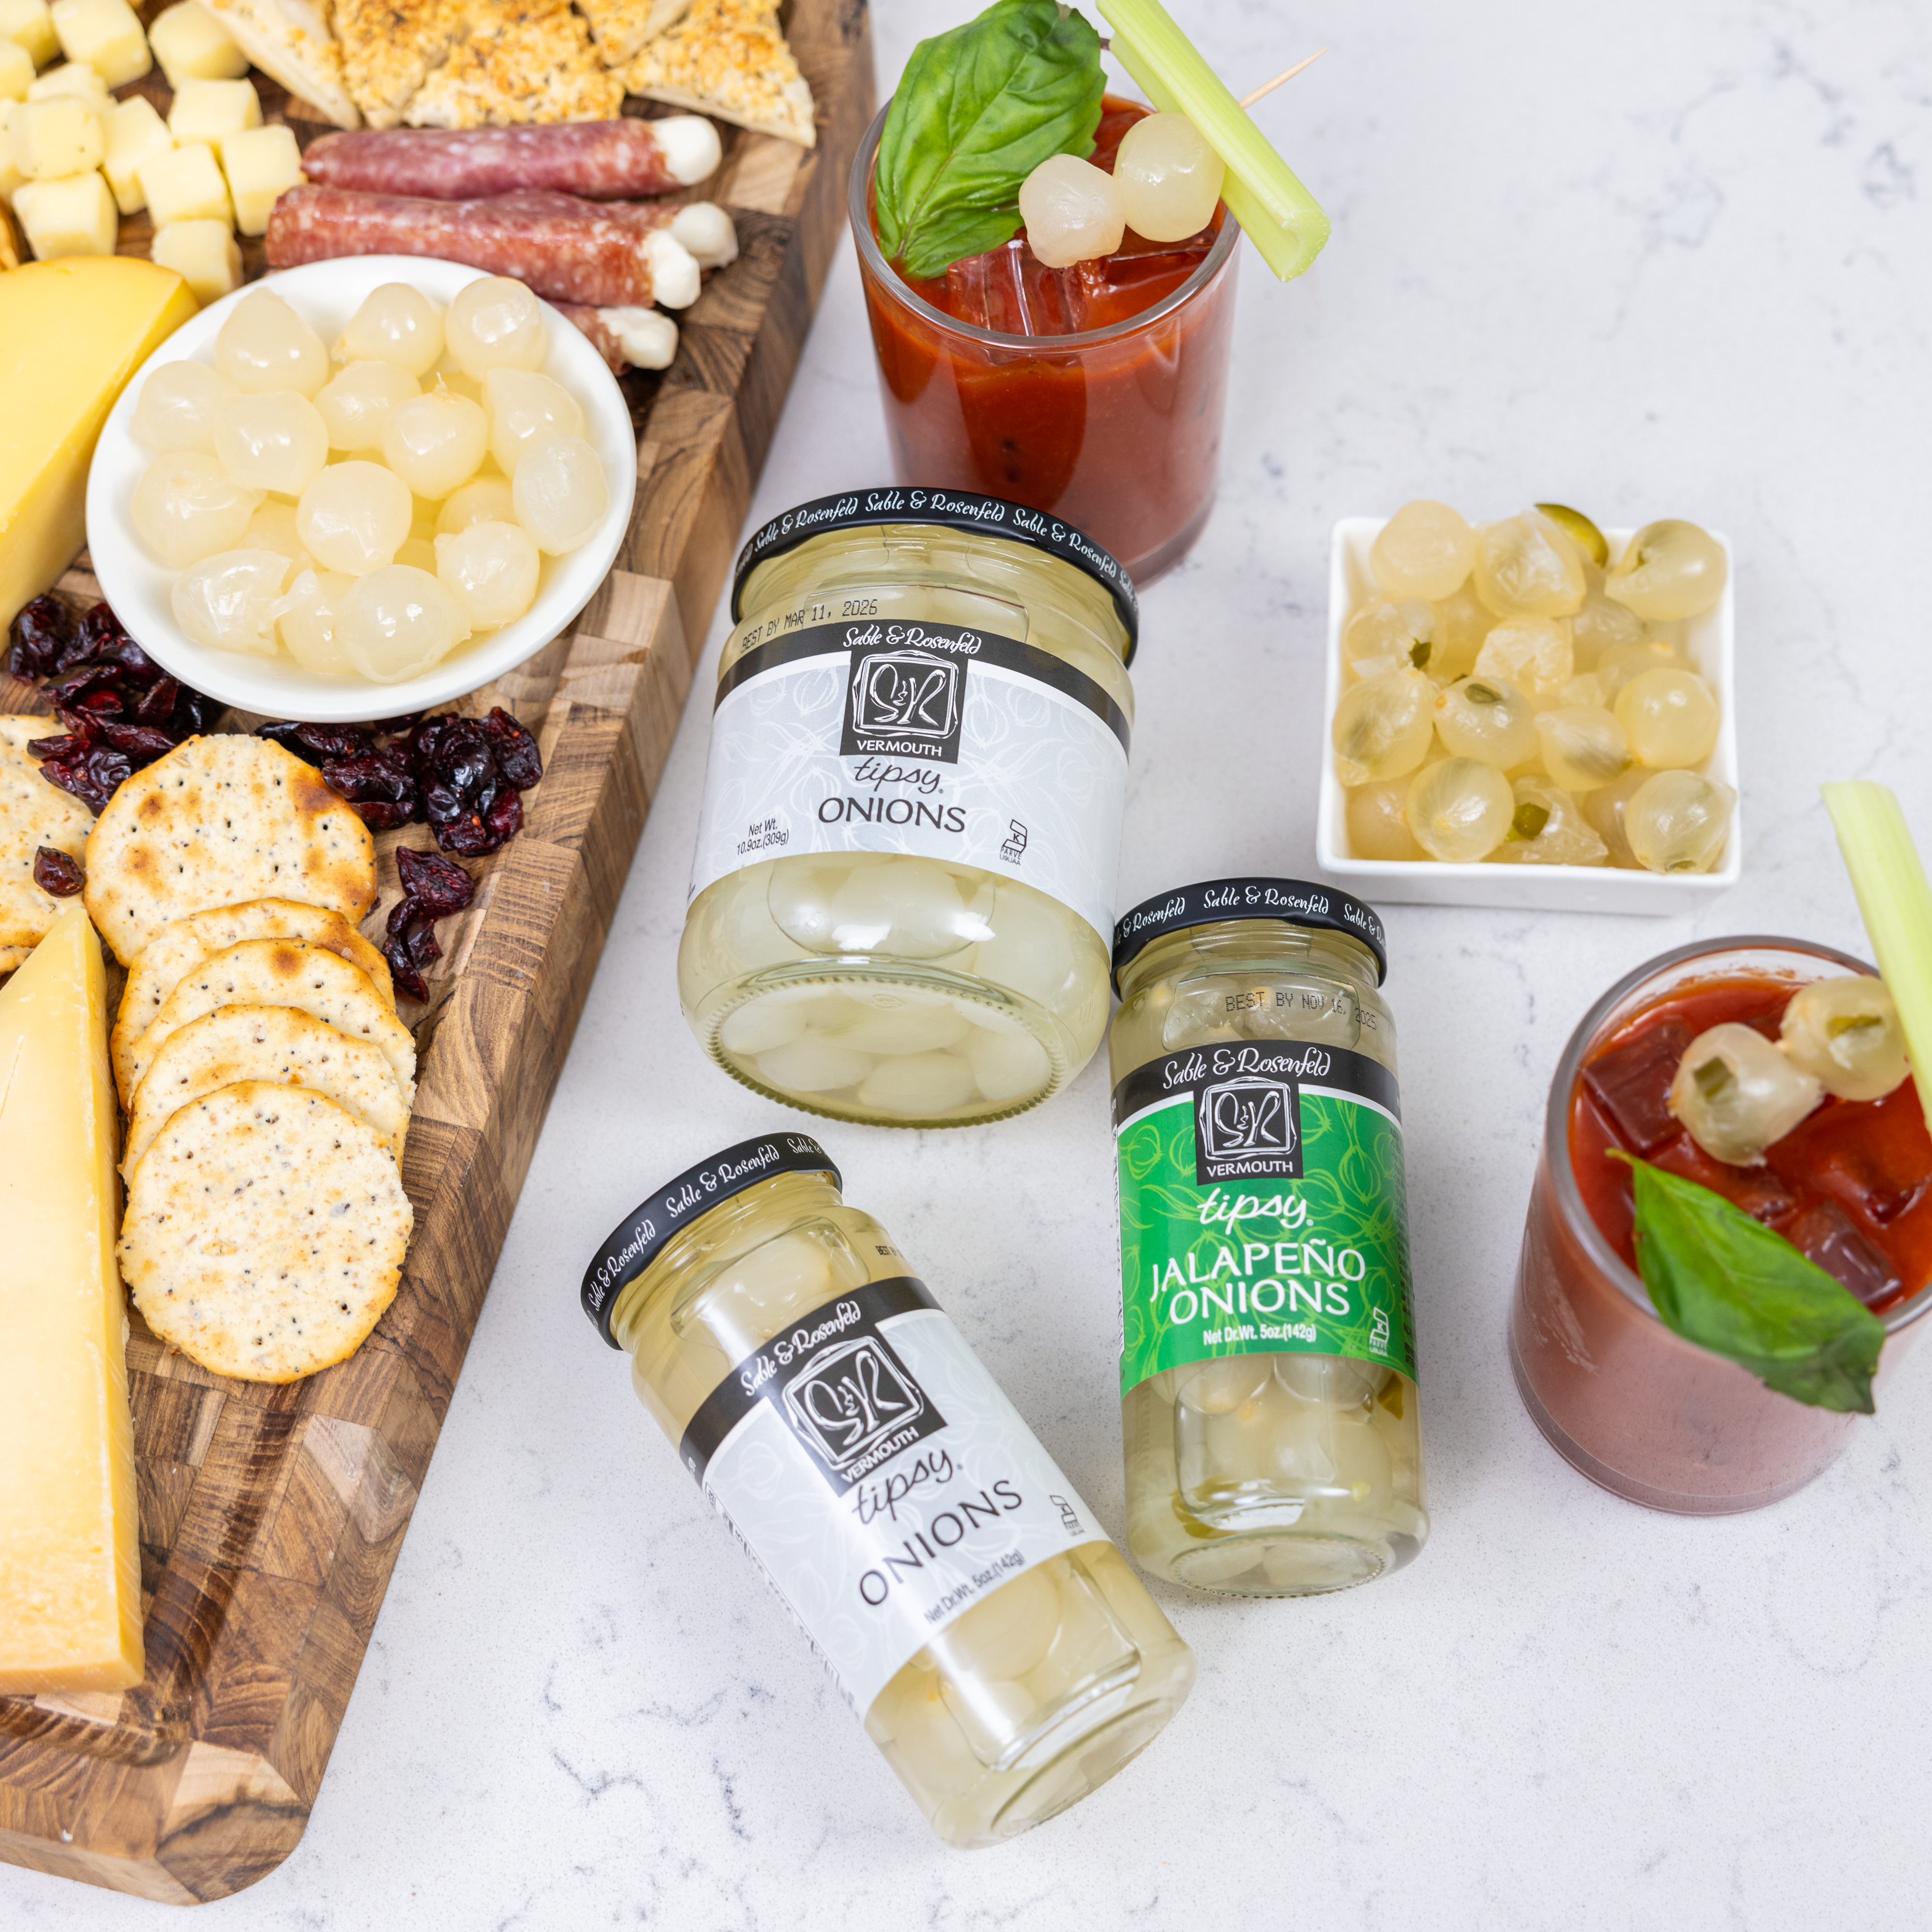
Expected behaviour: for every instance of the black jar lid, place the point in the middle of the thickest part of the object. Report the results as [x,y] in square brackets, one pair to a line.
[649,1228]
[952,509]
[1291,901]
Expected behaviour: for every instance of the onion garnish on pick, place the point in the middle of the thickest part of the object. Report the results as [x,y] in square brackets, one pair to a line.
[1896,903]
[1282,218]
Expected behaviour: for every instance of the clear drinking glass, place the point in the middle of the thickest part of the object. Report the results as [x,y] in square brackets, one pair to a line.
[1639,1411]
[1115,430]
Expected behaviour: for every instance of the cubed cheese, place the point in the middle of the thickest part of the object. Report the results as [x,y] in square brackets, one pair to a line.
[32,24]
[16,70]
[135,133]
[211,110]
[260,163]
[191,44]
[185,185]
[106,34]
[72,80]
[55,138]
[70,1545]
[72,216]
[11,172]
[203,253]
[71,334]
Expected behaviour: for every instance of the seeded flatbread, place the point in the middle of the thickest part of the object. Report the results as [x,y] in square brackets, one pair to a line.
[279,973]
[621,27]
[13,957]
[276,1045]
[160,965]
[219,821]
[729,57]
[33,813]
[264,1232]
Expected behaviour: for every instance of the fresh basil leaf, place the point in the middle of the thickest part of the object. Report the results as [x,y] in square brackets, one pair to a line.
[977,109]
[1729,1284]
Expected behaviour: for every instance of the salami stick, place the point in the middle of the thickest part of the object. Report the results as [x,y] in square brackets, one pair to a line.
[626,338]
[578,253]
[603,160]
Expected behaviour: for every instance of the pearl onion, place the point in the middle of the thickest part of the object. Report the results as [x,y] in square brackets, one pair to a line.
[1072,211]
[486,500]
[264,345]
[396,325]
[559,491]
[354,517]
[522,407]
[1169,180]
[355,405]
[397,622]
[1736,1093]
[495,323]
[186,507]
[490,569]
[177,407]
[273,440]
[435,441]
[226,602]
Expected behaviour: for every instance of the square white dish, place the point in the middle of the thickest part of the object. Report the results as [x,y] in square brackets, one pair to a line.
[1709,643]
[326,294]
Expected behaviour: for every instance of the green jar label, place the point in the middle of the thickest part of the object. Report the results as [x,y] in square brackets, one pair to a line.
[1262,1208]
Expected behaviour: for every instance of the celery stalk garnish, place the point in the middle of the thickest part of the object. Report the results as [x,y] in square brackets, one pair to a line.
[1896,903]
[1282,218]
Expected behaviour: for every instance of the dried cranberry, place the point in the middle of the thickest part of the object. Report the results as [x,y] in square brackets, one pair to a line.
[378,784]
[504,815]
[284,733]
[403,969]
[68,745]
[158,703]
[195,711]
[92,776]
[42,630]
[55,872]
[98,628]
[438,886]
[518,758]
[142,742]
[395,726]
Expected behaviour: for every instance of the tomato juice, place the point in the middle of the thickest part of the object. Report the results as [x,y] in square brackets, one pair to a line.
[1095,393]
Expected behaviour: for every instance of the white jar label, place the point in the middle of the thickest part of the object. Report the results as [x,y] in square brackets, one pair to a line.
[929,739]
[880,1478]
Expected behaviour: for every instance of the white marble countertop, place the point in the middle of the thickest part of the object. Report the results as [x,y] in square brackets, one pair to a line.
[1649,260]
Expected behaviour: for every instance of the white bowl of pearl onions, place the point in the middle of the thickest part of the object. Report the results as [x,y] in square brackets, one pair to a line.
[360,488]
[1702,644]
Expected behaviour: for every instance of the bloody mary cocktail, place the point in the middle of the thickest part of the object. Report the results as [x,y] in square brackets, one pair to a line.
[1094,392]
[1647,1414]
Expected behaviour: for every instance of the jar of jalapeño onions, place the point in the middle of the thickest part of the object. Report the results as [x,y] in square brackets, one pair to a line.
[904,887]
[1268,1363]
[999,1649]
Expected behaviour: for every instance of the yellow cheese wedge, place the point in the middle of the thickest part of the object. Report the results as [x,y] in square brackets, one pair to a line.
[70,1553]
[71,333]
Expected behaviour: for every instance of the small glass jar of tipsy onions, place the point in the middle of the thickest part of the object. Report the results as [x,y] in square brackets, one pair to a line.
[1268,1358]
[998,1648]
[904,885]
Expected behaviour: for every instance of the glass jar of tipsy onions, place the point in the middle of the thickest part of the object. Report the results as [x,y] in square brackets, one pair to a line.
[1267,1362]
[1000,1650]
[903,886]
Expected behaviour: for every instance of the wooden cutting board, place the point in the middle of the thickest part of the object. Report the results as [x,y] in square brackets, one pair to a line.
[270,1516]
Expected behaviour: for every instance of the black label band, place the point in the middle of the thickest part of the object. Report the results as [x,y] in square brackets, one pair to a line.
[836,1383]
[906,693]
[1247,1098]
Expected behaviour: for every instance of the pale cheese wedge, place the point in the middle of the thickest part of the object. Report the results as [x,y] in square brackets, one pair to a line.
[290,40]
[70,1553]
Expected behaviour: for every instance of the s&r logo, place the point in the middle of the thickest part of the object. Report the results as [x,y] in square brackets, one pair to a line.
[906,703]
[857,1406]
[1249,1125]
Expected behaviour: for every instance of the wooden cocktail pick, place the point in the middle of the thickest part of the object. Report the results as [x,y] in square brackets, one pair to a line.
[1287,73]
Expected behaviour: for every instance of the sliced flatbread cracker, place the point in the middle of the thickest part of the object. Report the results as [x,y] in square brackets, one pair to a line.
[729,57]
[390,47]
[158,968]
[277,1044]
[621,27]
[264,1232]
[13,957]
[517,60]
[290,40]
[219,821]
[33,813]
[279,973]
